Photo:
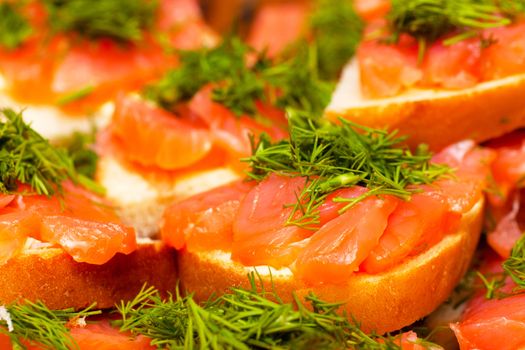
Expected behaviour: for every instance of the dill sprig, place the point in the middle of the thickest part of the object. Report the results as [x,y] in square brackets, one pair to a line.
[198,68]
[337,30]
[514,266]
[35,324]
[14,27]
[28,158]
[238,85]
[427,20]
[123,20]
[79,147]
[245,319]
[336,156]
[296,82]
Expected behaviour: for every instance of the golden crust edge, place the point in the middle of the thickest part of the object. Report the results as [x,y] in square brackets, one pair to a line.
[50,275]
[384,302]
[480,113]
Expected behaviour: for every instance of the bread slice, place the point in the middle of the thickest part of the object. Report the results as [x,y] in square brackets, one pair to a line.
[53,123]
[435,117]
[141,197]
[381,302]
[53,277]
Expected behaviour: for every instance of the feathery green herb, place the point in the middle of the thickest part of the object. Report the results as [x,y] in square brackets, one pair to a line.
[35,323]
[514,266]
[14,28]
[245,319]
[337,30]
[337,156]
[123,20]
[427,20]
[26,157]
[238,85]
[198,68]
[296,82]
[79,146]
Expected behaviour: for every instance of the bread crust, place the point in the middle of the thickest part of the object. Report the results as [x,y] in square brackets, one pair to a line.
[53,277]
[437,117]
[381,302]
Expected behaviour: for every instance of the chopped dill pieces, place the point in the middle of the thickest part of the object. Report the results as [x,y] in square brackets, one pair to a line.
[28,158]
[336,156]
[514,266]
[123,20]
[427,20]
[14,28]
[337,30]
[238,85]
[245,319]
[34,323]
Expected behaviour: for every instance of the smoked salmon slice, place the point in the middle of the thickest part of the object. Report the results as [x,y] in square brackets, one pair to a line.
[102,336]
[154,137]
[81,223]
[278,25]
[335,252]
[204,222]
[383,78]
[260,234]
[493,324]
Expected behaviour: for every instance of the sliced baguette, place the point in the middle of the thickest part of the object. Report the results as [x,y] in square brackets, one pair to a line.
[435,117]
[51,122]
[382,302]
[142,197]
[53,277]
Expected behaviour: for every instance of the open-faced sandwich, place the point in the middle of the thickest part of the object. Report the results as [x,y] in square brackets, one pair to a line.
[283,224]
[63,244]
[438,71]
[342,212]
[66,61]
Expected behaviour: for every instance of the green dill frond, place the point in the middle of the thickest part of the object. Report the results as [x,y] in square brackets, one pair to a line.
[27,158]
[198,68]
[245,319]
[123,20]
[336,156]
[14,27]
[79,147]
[337,30]
[514,266]
[297,82]
[36,324]
[427,20]
[238,85]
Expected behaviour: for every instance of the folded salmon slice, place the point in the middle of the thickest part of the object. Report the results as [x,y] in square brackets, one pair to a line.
[204,222]
[335,252]
[493,324]
[82,224]
[154,137]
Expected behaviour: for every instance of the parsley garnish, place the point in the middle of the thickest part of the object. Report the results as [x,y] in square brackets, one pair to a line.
[337,31]
[243,320]
[337,156]
[36,324]
[14,28]
[427,20]
[123,20]
[27,158]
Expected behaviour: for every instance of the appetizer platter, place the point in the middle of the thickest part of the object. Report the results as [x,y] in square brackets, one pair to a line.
[335,175]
